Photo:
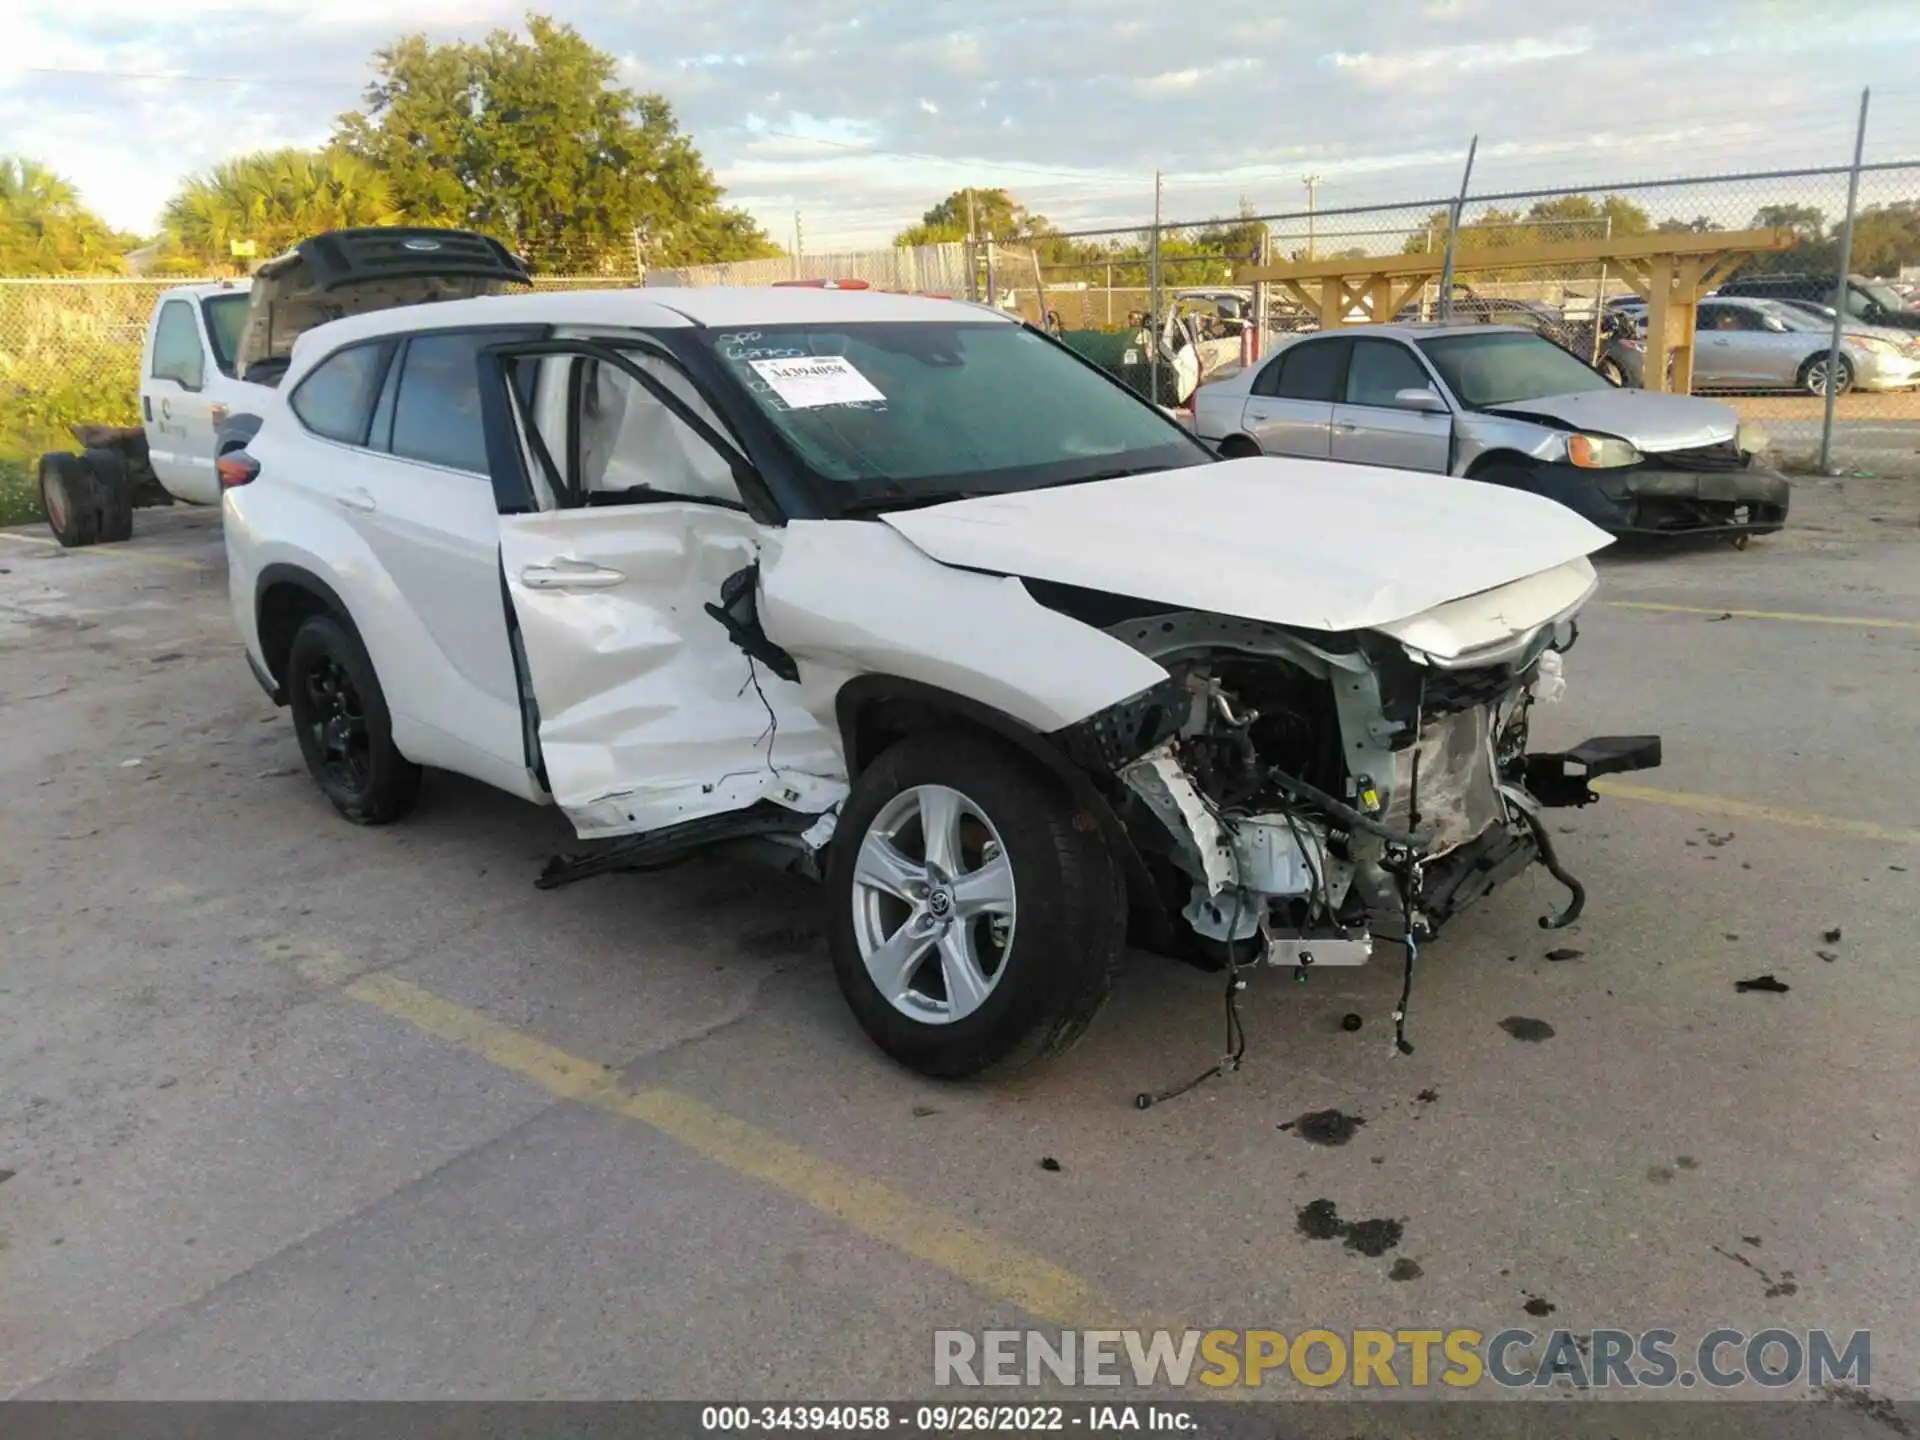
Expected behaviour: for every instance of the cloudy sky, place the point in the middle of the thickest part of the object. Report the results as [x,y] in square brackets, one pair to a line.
[858,114]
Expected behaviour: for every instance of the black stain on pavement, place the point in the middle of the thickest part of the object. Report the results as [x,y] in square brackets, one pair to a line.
[1326,1127]
[1522,1028]
[1320,1220]
[1405,1269]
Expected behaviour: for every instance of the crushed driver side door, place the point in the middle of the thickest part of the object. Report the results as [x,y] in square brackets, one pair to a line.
[630,563]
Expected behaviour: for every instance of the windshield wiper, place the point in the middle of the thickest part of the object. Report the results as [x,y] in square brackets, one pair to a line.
[909,500]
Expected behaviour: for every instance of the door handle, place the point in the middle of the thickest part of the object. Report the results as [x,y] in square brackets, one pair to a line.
[358,500]
[569,575]
[1345,427]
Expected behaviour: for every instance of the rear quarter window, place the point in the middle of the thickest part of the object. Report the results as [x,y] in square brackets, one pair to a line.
[335,399]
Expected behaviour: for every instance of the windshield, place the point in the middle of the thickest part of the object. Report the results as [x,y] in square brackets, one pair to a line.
[1879,294]
[902,411]
[1502,367]
[226,317]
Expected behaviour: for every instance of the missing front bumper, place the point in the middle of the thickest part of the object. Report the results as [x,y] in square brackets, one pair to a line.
[1561,778]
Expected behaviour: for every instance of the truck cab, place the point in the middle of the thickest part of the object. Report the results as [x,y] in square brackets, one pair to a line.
[189,385]
[215,351]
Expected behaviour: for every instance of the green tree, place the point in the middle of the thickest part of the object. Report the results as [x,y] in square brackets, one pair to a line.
[46,230]
[1699,225]
[274,199]
[1885,238]
[1809,220]
[995,215]
[530,140]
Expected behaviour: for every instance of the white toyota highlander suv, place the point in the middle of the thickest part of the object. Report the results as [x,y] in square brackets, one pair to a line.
[902,591]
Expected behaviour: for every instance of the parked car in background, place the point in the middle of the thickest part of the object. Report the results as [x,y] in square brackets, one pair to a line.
[1505,406]
[1867,300]
[1763,345]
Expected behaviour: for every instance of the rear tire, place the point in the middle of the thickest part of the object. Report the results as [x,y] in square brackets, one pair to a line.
[1238,447]
[1000,946]
[114,492]
[69,499]
[345,731]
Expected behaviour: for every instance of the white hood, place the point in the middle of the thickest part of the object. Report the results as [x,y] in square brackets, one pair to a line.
[1306,543]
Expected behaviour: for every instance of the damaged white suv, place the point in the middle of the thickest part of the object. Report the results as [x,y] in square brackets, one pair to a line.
[903,591]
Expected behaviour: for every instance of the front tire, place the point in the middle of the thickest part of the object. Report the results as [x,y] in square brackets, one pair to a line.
[341,720]
[978,914]
[1238,447]
[1813,376]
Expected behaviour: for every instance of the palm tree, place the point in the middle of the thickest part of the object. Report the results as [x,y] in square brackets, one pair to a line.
[275,199]
[44,229]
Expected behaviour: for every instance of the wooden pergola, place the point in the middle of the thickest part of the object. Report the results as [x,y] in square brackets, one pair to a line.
[1670,270]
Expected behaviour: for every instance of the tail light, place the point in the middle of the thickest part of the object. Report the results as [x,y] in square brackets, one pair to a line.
[236,468]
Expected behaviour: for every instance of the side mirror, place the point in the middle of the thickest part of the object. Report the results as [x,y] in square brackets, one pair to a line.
[1422,398]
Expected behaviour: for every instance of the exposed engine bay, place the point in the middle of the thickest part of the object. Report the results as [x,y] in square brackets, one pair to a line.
[1293,798]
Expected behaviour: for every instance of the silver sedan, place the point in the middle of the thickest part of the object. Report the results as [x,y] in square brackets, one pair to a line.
[1742,344]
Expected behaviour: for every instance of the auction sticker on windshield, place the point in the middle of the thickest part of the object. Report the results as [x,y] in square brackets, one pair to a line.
[805,382]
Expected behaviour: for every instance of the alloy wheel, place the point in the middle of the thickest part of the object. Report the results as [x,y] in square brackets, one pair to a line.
[933,904]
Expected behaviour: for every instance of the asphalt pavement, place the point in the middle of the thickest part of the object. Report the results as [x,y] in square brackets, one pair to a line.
[294,1109]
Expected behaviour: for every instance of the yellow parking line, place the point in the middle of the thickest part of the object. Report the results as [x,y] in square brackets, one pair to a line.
[1004,1270]
[142,557]
[1862,621]
[1746,810]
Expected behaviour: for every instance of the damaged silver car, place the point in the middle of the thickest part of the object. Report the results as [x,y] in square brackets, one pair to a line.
[907,595]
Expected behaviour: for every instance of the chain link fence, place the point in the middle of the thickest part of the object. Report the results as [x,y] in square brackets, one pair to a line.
[1764,342]
[1160,305]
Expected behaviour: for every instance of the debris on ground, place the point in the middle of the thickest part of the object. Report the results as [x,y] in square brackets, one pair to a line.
[1350,1022]
[1405,1269]
[1766,984]
[1827,955]
[1832,937]
[1565,952]
[1520,1027]
[921,1112]
[1427,1096]
[1047,1162]
[1537,1307]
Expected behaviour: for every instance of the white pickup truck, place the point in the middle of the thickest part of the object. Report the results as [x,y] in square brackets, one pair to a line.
[214,349]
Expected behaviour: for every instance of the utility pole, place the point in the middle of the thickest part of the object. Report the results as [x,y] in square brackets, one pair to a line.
[797,242]
[1312,182]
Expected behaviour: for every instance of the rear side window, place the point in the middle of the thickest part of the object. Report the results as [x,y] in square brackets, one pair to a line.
[1314,370]
[177,354]
[436,410]
[335,400]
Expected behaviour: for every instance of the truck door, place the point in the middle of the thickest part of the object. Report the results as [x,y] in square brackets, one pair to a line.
[174,406]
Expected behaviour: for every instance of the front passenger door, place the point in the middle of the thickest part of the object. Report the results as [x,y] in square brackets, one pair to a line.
[1371,427]
[1290,409]
[622,528]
